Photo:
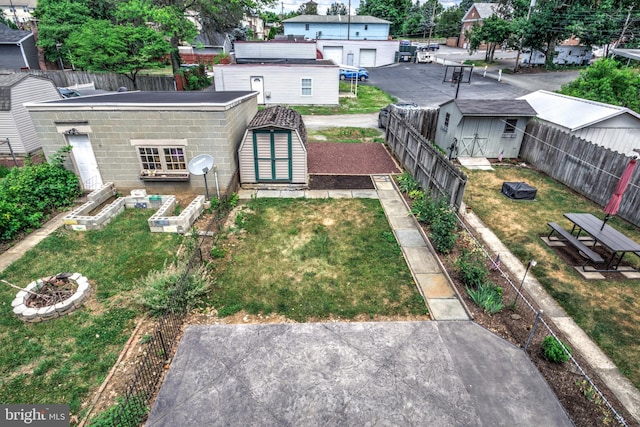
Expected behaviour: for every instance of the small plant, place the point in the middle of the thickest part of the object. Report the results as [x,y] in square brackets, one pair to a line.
[4,171]
[443,228]
[589,392]
[407,183]
[217,252]
[423,207]
[146,338]
[488,297]
[472,269]
[555,350]
[126,412]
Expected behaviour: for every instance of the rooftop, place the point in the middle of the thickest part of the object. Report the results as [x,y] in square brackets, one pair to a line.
[336,19]
[570,112]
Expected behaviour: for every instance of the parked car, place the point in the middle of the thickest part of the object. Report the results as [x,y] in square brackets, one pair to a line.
[424,55]
[347,74]
[383,115]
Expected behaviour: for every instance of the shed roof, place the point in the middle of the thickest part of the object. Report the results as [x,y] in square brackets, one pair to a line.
[570,112]
[279,116]
[336,19]
[627,53]
[11,36]
[9,80]
[494,107]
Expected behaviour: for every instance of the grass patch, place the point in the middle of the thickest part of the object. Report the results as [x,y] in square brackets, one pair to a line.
[314,259]
[346,134]
[370,99]
[64,360]
[605,309]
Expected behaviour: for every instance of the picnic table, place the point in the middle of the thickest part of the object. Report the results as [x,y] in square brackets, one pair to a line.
[611,239]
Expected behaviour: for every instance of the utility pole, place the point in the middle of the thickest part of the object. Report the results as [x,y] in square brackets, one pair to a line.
[517,66]
[349,22]
[431,25]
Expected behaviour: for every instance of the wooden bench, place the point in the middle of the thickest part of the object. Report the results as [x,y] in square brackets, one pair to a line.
[573,241]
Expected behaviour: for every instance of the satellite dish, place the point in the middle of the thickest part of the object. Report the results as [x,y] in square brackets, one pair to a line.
[200,164]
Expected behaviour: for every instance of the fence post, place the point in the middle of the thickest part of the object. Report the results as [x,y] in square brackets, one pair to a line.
[533,329]
[164,346]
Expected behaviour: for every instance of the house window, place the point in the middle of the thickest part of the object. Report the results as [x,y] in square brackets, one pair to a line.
[162,159]
[366,27]
[306,27]
[306,87]
[510,126]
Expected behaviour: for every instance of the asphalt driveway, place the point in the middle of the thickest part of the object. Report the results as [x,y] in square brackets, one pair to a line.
[352,374]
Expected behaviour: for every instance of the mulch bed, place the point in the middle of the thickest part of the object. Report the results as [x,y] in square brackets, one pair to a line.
[340,182]
[349,159]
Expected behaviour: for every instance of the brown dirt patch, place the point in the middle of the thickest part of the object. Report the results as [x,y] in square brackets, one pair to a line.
[349,159]
[340,182]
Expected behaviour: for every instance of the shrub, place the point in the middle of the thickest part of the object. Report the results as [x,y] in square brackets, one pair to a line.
[472,269]
[129,412]
[487,296]
[423,207]
[555,350]
[407,183]
[443,228]
[4,171]
[30,193]
[169,290]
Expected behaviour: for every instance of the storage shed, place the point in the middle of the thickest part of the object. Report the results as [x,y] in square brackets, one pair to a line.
[274,148]
[482,127]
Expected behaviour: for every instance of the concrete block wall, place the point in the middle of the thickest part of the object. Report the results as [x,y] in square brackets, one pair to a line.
[161,222]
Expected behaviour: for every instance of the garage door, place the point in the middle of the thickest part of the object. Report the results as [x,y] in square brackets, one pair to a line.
[333,52]
[367,57]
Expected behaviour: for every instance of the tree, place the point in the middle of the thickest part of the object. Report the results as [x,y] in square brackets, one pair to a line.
[449,23]
[308,8]
[394,11]
[420,19]
[606,81]
[125,49]
[337,9]
[494,31]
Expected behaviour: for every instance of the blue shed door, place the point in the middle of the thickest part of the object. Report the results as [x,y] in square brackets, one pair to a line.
[272,154]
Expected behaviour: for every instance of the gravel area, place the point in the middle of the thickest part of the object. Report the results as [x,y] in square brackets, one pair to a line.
[349,159]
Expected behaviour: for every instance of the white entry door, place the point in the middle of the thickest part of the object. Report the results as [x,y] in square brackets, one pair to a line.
[257,84]
[85,161]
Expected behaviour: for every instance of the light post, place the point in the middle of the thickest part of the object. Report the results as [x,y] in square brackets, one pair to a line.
[529,266]
[60,63]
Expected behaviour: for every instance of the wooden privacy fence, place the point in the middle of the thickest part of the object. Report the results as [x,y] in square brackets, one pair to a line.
[429,167]
[583,166]
[106,81]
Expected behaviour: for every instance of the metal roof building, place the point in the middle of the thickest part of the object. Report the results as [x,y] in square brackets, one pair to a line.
[611,126]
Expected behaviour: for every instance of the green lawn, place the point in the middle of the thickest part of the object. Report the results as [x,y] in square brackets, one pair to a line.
[66,359]
[606,309]
[316,259]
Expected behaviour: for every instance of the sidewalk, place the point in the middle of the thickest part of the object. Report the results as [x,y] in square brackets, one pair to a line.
[626,392]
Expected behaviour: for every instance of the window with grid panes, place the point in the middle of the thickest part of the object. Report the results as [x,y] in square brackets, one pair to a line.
[306,87]
[165,159]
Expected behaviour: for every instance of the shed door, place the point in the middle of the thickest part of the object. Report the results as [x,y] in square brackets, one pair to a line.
[473,146]
[257,84]
[85,161]
[367,57]
[333,52]
[272,154]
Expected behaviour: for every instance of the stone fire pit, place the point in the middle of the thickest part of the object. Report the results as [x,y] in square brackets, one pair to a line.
[51,297]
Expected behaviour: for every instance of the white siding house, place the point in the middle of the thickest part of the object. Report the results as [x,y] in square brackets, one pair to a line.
[337,27]
[611,126]
[359,53]
[274,50]
[307,83]
[15,121]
